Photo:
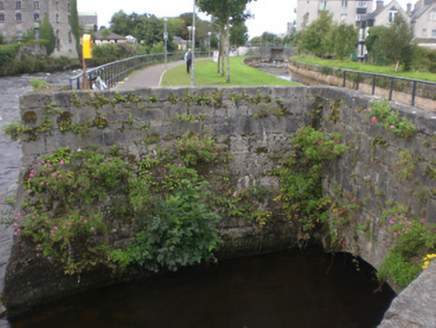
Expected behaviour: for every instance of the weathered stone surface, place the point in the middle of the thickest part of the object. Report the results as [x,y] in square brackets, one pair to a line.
[368,173]
[415,307]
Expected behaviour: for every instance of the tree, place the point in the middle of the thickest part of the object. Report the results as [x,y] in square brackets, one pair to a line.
[314,37]
[75,26]
[224,12]
[398,43]
[341,40]
[374,45]
[238,34]
[47,34]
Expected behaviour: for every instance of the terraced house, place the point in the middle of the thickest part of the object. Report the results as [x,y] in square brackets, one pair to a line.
[17,17]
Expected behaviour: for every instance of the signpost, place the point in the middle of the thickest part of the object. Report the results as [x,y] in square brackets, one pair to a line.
[86,54]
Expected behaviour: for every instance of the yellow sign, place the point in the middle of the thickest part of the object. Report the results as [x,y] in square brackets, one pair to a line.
[87,46]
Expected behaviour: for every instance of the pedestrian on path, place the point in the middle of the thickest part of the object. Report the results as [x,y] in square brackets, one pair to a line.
[188,59]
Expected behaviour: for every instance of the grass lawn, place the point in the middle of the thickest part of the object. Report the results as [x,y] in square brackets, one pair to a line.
[364,67]
[206,74]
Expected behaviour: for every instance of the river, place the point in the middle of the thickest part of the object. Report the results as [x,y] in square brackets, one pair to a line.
[301,289]
[287,289]
[12,88]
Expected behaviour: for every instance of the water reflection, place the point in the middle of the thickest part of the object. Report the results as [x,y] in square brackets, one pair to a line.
[287,289]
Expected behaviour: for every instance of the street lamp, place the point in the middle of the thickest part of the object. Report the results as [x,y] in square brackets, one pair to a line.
[209,33]
[166,40]
[189,30]
[193,46]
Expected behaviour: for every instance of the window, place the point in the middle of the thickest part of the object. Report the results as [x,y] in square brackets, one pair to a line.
[36,33]
[424,33]
[344,3]
[18,17]
[69,7]
[432,15]
[323,5]
[57,18]
[361,4]
[35,4]
[57,5]
[36,17]
[70,39]
[343,18]
[433,33]
[392,15]
[2,17]
[17,4]
[360,17]
[2,5]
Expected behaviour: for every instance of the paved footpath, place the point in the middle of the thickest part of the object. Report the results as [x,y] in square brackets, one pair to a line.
[148,77]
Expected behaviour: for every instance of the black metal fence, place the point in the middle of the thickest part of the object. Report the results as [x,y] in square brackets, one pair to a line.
[115,72]
[420,88]
[418,93]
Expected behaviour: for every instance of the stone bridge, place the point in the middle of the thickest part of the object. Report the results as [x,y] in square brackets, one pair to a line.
[255,125]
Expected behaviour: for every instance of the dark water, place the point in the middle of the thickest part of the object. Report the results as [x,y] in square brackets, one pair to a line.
[287,289]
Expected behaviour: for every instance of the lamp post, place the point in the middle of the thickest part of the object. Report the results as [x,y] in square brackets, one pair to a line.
[209,34]
[166,40]
[189,40]
[193,46]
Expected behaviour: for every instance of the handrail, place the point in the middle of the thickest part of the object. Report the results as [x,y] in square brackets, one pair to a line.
[115,72]
[391,77]
[374,76]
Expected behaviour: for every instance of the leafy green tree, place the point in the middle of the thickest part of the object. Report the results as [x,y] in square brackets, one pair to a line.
[123,24]
[46,33]
[398,43]
[75,26]
[224,12]
[374,45]
[314,36]
[238,34]
[341,40]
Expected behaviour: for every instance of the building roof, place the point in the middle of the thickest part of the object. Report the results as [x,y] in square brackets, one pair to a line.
[111,36]
[87,13]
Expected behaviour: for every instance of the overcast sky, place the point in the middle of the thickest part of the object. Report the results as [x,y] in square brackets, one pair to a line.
[269,15]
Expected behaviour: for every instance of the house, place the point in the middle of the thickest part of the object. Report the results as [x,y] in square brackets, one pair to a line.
[381,16]
[89,21]
[131,39]
[423,19]
[18,17]
[349,12]
[181,44]
[105,36]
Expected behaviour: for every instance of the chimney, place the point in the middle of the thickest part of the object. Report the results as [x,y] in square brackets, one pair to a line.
[379,5]
[409,8]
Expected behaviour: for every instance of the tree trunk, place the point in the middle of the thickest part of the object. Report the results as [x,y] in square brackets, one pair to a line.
[219,57]
[397,65]
[223,50]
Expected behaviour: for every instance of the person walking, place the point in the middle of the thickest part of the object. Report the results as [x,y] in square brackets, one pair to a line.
[188,59]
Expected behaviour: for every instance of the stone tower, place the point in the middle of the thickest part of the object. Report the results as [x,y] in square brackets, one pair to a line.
[17,17]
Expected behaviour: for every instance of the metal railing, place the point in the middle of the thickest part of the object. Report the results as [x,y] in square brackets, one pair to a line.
[427,89]
[115,72]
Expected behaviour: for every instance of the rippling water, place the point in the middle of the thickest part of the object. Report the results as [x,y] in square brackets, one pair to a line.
[11,88]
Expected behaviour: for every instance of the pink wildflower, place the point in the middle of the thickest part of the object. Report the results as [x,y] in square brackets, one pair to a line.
[422,221]
[28,191]
[392,127]
[373,120]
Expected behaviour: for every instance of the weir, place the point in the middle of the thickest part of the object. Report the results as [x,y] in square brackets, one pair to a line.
[253,127]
